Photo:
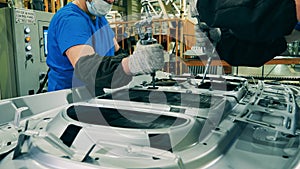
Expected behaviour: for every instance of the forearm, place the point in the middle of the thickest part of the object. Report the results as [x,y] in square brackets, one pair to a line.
[125,66]
[295,35]
[298,9]
[117,46]
[124,62]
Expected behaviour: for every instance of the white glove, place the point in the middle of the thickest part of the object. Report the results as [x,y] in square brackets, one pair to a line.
[206,39]
[146,59]
[214,34]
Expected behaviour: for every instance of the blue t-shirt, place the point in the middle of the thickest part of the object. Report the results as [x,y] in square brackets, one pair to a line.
[297,27]
[71,26]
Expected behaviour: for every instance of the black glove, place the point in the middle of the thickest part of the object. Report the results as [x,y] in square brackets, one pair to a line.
[239,52]
[99,72]
[121,51]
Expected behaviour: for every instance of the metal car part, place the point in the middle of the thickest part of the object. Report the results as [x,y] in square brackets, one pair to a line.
[170,127]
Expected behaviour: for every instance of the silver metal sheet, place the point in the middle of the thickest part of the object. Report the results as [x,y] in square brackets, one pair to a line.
[246,126]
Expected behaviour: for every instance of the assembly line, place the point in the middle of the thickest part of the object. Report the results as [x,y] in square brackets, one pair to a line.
[177,85]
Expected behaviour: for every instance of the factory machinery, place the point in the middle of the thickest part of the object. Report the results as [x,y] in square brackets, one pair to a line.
[222,122]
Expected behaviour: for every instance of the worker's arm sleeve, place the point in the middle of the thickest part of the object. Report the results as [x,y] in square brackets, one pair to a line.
[99,72]
[251,35]
[254,21]
[121,51]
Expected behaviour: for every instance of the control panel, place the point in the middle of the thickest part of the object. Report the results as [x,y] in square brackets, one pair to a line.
[23,51]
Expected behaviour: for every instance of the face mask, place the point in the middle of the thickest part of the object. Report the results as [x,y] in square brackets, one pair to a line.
[98,7]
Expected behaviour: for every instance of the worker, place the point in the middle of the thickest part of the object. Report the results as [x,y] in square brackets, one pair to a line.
[252,32]
[295,35]
[83,50]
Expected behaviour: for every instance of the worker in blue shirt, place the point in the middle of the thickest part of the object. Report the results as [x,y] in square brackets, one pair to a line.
[82,49]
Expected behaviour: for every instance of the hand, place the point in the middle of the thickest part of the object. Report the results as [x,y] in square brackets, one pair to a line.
[213,34]
[146,59]
[206,39]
